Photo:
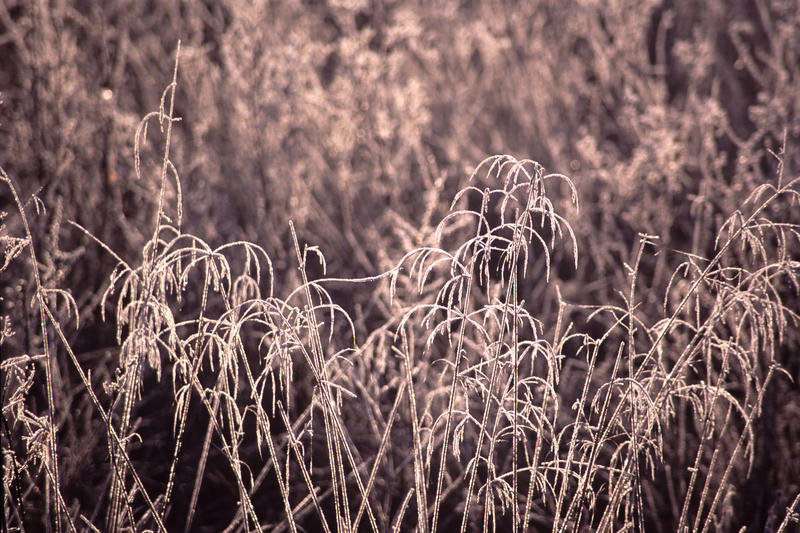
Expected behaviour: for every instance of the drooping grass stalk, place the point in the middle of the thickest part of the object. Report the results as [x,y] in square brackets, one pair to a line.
[133,361]
[41,300]
[263,421]
[466,299]
[107,421]
[511,309]
[594,451]
[184,413]
[334,432]
[523,233]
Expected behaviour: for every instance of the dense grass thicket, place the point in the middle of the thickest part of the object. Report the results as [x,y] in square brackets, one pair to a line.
[259,274]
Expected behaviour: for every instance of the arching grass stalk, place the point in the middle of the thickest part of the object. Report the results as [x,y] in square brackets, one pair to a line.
[132,361]
[516,177]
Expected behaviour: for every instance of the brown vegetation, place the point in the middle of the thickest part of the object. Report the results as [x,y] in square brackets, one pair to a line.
[297,296]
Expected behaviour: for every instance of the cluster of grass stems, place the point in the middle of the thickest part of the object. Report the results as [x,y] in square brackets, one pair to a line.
[452,414]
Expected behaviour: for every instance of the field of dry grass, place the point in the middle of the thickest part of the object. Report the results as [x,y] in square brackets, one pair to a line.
[261,272]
